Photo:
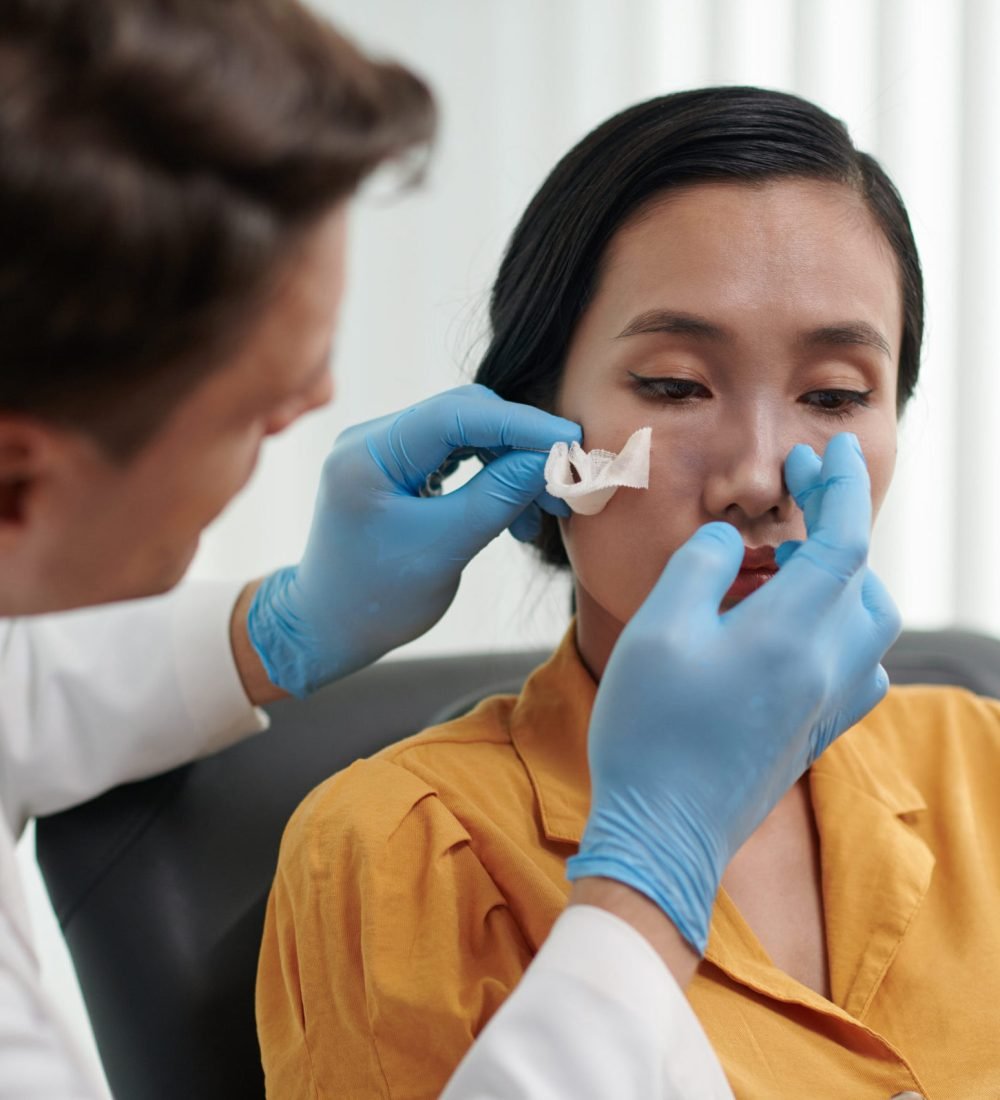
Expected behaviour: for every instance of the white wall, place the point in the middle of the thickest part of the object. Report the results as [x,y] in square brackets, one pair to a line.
[519,81]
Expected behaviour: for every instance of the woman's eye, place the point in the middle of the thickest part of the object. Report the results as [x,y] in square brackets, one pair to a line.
[837,402]
[668,389]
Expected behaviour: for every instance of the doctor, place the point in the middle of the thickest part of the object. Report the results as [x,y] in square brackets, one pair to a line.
[173,183]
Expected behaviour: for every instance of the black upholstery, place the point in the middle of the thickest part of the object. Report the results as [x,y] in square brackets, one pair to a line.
[160,886]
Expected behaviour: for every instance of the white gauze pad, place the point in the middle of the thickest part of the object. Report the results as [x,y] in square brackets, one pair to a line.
[587,480]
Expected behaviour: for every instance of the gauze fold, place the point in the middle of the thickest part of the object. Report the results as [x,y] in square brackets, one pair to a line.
[587,480]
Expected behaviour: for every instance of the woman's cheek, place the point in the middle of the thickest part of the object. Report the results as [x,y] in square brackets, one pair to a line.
[879,449]
[609,561]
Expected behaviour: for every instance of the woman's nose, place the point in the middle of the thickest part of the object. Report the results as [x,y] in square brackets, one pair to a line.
[746,480]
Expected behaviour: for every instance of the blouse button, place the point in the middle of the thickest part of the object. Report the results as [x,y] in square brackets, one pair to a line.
[907,1096]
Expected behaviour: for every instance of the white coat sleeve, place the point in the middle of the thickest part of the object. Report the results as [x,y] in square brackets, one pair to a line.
[39,1059]
[90,699]
[597,1014]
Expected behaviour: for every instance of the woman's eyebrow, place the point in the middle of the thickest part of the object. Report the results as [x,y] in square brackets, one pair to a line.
[678,324]
[841,334]
[847,334]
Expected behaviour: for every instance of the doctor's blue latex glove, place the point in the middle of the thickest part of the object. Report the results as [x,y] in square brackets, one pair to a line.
[383,562]
[703,721]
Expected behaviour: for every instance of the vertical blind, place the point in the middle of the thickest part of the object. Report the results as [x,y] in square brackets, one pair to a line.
[518,82]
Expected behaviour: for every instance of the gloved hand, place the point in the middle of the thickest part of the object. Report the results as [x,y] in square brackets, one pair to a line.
[382,563]
[704,720]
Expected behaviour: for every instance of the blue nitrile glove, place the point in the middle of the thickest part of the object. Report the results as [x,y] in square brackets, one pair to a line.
[383,561]
[704,720]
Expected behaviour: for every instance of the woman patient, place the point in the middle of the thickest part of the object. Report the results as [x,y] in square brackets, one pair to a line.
[724,267]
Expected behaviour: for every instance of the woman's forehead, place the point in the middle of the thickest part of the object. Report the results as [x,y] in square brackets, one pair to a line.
[786,251]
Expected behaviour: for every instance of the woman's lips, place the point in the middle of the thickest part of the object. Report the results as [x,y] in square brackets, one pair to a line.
[758,568]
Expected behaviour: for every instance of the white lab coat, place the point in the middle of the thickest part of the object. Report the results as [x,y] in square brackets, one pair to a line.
[88,700]
[95,698]
[596,1015]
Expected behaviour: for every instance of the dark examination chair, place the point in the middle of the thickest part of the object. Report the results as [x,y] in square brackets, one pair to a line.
[160,886]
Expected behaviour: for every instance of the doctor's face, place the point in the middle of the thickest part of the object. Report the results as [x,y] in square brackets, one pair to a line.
[735,321]
[104,531]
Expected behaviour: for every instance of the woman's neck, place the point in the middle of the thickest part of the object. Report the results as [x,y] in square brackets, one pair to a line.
[596,632]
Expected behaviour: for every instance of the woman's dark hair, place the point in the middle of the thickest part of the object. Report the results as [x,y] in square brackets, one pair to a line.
[160,160]
[553,262]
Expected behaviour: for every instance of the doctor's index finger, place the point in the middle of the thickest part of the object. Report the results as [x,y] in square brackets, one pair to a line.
[834,492]
[844,513]
[697,577]
[803,469]
[836,502]
[474,416]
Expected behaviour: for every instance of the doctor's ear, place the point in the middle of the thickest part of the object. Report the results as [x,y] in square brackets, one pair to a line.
[30,455]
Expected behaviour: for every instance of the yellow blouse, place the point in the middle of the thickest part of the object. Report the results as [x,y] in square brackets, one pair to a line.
[414,888]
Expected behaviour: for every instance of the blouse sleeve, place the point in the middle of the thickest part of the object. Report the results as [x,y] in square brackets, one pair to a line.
[387,946]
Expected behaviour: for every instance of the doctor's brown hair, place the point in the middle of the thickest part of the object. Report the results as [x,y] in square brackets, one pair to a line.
[159,160]
[739,135]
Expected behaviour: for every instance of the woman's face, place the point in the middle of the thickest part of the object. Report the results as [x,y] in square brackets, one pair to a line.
[735,321]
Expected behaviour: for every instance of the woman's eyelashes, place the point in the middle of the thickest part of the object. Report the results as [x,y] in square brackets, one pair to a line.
[675,391]
[836,403]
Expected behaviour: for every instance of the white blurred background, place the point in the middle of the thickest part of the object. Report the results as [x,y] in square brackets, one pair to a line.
[520,81]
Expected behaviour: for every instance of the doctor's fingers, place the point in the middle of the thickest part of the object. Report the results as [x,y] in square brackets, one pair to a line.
[502,495]
[870,626]
[838,519]
[863,697]
[527,525]
[836,498]
[886,619]
[693,584]
[851,651]
[875,604]
[424,436]
[812,481]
